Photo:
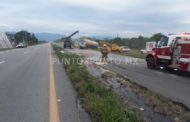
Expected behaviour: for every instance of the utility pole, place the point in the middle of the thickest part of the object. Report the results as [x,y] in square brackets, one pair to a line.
[26,41]
[117,35]
[23,40]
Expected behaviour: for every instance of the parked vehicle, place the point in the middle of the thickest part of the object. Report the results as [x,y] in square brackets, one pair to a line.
[21,45]
[125,49]
[113,47]
[172,51]
[149,47]
[143,51]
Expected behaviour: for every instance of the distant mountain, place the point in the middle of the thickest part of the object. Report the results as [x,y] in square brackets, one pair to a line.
[44,36]
[48,36]
[11,32]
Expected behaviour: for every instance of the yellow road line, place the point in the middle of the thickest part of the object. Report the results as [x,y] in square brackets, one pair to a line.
[53,106]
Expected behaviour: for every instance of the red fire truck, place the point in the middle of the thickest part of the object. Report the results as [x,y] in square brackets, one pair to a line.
[171,51]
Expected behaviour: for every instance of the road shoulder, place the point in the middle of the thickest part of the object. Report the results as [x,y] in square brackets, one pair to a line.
[69,107]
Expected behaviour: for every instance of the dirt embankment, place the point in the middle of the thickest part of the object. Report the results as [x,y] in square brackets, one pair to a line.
[150,106]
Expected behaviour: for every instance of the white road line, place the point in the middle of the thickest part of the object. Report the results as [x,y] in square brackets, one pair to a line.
[1,62]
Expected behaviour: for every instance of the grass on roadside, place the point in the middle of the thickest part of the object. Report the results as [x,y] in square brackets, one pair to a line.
[102,104]
[134,53]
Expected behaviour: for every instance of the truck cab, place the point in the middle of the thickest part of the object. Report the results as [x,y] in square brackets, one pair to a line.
[169,52]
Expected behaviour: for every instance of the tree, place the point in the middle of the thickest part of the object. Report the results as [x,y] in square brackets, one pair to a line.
[24,36]
[35,40]
[136,42]
[156,37]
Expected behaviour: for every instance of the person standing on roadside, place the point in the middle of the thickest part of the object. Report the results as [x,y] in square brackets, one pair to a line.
[104,52]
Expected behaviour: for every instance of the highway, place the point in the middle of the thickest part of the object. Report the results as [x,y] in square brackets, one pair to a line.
[172,85]
[32,89]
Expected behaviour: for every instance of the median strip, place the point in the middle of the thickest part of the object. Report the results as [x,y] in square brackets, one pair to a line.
[53,106]
[102,104]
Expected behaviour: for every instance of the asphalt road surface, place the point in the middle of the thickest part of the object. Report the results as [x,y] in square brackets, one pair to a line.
[25,87]
[172,85]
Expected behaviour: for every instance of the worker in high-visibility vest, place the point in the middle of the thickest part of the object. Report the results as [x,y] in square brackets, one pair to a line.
[104,51]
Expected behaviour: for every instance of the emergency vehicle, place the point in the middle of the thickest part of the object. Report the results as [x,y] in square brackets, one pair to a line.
[149,47]
[172,51]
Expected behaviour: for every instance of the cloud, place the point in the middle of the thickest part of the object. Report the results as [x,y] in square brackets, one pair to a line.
[96,17]
[102,5]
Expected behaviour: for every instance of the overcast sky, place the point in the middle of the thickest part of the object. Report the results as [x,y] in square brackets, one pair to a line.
[96,17]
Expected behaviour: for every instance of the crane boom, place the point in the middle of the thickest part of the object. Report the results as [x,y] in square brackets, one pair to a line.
[68,41]
[72,34]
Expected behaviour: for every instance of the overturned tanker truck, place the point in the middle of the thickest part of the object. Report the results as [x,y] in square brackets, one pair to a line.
[85,43]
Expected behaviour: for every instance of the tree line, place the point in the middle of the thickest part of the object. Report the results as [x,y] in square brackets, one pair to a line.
[135,42]
[23,36]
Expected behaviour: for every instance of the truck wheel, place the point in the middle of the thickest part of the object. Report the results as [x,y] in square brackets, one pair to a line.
[118,51]
[150,63]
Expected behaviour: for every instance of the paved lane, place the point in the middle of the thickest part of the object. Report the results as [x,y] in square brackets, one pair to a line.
[174,86]
[69,107]
[34,90]
[24,84]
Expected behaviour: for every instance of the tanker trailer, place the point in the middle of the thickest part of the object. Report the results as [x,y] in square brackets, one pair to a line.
[85,43]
